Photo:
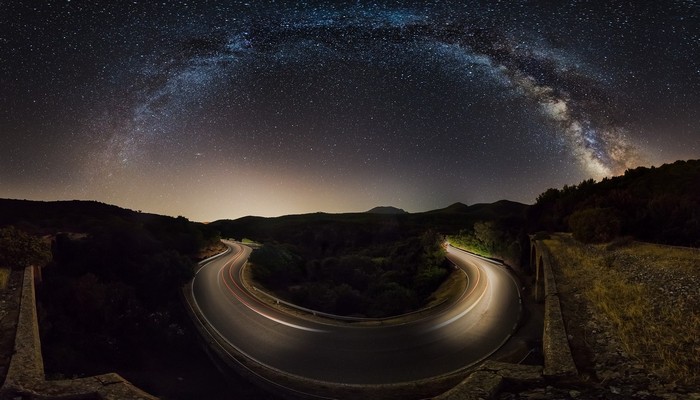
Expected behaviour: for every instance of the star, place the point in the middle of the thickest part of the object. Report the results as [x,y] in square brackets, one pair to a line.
[417,106]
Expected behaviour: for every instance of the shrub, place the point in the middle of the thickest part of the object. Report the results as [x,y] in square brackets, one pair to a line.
[594,225]
[19,249]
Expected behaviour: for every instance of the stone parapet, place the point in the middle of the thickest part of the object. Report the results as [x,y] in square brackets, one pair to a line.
[490,377]
[27,364]
[558,361]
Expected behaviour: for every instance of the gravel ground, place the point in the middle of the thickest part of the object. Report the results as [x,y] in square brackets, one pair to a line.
[606,370]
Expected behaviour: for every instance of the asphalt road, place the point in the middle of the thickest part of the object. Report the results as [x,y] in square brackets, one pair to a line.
[446,341]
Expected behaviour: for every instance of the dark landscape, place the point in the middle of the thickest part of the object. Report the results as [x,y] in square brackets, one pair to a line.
[109,298]
[381,199]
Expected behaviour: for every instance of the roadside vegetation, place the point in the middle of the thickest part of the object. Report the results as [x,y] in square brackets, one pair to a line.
[495,238]
[109,299]
[4,278]
[370,264]
[647,293]
[18,249]
[379,281]
[658,205]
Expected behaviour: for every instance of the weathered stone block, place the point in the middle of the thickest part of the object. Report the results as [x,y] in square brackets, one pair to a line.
[558,361]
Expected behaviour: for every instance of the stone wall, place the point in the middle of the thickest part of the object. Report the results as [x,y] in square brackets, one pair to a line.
[25,376]
[27,365]
[558,361]
[487,381]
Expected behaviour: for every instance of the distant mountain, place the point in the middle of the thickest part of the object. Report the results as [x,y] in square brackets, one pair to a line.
[367,228]
[498,209]
[386,210]
[455,208]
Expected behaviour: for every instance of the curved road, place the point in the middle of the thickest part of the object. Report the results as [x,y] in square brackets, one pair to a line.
[446,341]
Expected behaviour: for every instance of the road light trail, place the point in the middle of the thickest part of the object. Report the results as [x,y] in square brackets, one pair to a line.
[440,343]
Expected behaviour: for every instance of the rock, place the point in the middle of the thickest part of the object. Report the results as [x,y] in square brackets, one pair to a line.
[574,393]
[615,390]
[537,394]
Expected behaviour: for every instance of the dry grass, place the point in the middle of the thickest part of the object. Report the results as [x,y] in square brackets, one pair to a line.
[659,331]
[449,290]
[677,259]
[4,278]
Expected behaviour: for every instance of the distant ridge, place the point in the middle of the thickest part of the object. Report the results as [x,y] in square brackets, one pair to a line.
[386,210]
[454,208]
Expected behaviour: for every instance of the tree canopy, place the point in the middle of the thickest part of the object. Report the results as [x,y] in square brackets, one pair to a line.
[659,205]
[18,249]
[378,281]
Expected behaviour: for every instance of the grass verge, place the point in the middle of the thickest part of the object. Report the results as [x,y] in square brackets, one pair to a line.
[449,290]
[625,283]
[4,278]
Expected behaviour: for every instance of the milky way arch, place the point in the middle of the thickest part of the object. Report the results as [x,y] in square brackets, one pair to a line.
[570,99]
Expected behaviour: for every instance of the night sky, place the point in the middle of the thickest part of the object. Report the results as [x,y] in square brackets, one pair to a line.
[217,110]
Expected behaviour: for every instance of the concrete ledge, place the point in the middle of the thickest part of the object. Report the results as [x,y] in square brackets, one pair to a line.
[108,386]
[558,361]
[550,284]
[27,364]
[488,380]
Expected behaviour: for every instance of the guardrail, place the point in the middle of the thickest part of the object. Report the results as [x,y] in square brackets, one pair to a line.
[226,354]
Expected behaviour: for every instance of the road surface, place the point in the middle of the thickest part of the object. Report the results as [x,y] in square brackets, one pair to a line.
[443,342]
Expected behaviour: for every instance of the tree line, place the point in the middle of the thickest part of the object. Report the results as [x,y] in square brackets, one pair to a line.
[378,281]
[109,299]
[660,205]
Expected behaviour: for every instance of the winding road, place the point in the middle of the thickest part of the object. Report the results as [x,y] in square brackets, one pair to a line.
[445,341]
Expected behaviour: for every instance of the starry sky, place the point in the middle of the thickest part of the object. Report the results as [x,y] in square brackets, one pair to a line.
[216,110]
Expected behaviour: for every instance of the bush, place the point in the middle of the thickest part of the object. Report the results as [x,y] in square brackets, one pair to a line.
[356,282]
[620,242]
[541,236]
[19,249]
[594,225]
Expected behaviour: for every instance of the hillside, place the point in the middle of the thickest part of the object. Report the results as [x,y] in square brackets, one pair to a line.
[128,267]
[373,264]
[660,205]
[114,286]
[356,230]
[50,217]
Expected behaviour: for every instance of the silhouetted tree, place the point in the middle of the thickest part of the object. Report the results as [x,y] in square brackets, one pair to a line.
[19,249]
[594,225]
